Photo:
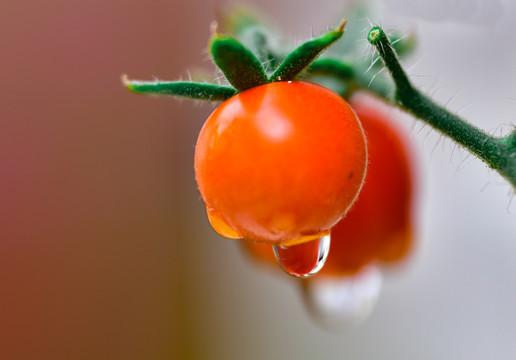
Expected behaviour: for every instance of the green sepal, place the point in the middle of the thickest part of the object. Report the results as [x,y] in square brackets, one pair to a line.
[299,59]
[238,64]
[190,90]
[332,67]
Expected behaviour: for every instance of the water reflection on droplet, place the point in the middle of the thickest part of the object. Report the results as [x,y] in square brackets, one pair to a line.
[303,260]
[338,302]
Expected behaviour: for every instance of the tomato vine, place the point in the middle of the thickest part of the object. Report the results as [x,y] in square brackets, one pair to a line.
[248,58]
[498,153]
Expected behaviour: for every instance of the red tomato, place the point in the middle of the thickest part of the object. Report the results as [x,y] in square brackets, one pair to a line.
[280,163]
[378,226]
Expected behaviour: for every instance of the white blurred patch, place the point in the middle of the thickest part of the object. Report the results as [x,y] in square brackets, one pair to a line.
[472,12]
[338,302]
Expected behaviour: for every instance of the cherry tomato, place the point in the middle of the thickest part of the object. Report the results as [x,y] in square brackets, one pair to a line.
[378,226]
[280,163]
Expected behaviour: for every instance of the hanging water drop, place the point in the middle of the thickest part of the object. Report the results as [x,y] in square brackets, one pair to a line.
[337,302]
[303,260]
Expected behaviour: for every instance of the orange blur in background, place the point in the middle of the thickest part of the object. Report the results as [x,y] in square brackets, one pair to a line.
[97,186]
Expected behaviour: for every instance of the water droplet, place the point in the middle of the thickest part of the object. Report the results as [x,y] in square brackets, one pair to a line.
[337,302]
[303,260]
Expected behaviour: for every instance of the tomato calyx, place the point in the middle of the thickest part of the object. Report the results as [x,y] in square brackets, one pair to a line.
[241,67]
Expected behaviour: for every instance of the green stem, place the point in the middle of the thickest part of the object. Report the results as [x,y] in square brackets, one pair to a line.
[495,152]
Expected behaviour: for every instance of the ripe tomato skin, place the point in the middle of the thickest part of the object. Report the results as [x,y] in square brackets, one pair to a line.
[378,227]
[280,163]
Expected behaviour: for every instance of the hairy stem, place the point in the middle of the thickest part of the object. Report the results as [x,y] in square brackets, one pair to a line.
[495,152]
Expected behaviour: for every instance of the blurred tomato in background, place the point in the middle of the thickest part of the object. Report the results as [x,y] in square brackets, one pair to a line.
[105,250]
[377,230]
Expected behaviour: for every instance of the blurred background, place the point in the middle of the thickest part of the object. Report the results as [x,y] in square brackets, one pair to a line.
[105,249]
